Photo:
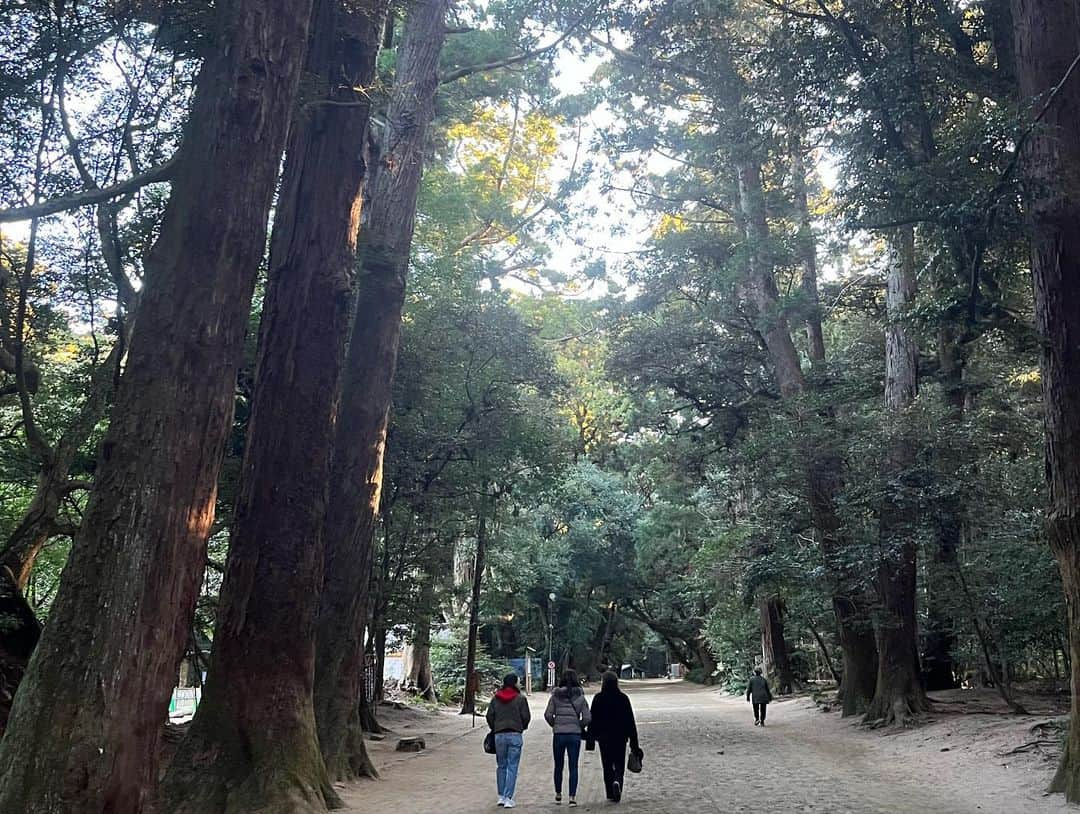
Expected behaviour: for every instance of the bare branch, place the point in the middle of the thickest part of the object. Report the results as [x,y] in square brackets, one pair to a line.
[89,197]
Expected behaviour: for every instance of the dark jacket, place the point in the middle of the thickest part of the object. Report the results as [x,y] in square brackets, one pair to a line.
[567,712]
[757,690]
[613,719]
[508,711]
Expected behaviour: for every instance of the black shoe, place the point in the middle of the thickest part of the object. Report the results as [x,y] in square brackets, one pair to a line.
[616,791]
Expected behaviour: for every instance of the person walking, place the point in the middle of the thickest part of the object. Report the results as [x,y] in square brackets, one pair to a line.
[508,717]
[568,715]
[757,691]
[612,727]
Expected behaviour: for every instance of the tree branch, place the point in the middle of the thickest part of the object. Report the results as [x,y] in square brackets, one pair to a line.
[469,70]
[162,172]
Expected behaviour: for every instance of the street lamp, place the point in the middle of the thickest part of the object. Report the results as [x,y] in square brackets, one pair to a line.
[551,634]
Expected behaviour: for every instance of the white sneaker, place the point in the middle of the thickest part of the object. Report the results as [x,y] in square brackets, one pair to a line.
[509,803]
[502,802]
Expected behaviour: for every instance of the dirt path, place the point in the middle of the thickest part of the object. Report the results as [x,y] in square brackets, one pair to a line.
[704,754]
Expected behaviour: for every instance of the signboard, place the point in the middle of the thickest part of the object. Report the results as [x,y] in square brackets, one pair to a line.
[184,701]
[551,674]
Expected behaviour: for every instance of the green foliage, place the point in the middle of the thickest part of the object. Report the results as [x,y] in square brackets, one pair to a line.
[448,666]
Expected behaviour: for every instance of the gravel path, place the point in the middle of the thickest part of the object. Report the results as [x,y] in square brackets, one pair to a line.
[704,754]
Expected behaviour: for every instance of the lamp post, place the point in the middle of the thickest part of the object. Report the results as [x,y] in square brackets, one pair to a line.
[551,634]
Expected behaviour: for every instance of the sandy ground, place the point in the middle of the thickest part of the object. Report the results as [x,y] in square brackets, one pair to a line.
[704,754]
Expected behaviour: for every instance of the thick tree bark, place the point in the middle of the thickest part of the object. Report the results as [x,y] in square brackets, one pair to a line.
[898,693]
[1047,49]
[823,468]
[774,646]
[418,676]
[356,482]
[253,744]
[84,729]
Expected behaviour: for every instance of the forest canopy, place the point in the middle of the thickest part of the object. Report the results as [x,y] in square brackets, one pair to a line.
[712,333]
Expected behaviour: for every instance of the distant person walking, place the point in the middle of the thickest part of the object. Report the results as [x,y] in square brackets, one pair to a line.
[757,691]
[508,716]
[568,715]
[613,726]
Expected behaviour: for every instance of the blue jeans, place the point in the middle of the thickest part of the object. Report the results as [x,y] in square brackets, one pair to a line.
[507,758]
[566,743]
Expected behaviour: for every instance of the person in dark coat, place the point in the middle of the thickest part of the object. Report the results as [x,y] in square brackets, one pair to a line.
[757,691]
[612,727]
[568,715]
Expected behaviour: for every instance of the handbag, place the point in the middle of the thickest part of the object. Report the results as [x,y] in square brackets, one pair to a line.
[489,743]
[633,763]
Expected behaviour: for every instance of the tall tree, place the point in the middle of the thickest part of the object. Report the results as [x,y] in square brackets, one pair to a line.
[84,729]
[1047,60]
[823,468]
[357,470]
[257,716]
[898,693]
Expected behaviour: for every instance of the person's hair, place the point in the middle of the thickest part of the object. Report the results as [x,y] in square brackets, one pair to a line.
[570,680]
[511,680]
[757,671]
[609,682]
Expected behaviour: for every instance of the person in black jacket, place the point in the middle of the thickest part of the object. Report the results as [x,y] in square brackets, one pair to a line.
[612,726]
[757,691]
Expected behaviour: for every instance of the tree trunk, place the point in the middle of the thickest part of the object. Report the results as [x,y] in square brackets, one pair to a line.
[379,626]
[418,676]
[256,721]
[823,468]
[468,703]
[84,730]
[1046,50]
[356,482]
[939,640]
[807,249]
[774,645]
[898,693]
[705,660]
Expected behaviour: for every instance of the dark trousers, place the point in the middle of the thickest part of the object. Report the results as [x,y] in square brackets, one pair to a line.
[759,712]
[613,758]
[566,745]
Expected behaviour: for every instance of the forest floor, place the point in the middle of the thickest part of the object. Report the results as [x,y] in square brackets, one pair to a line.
[703,753]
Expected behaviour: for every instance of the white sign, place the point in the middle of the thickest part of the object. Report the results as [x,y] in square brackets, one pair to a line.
[184,702]
[551,665]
